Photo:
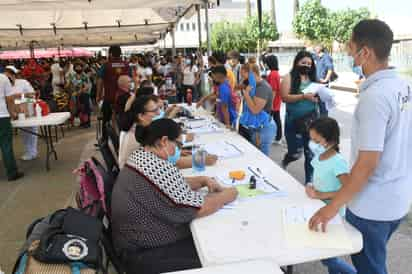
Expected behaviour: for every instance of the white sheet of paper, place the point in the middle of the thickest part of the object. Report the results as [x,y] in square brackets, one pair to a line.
[313,88]
[211,128]
[297,233]
[223,149]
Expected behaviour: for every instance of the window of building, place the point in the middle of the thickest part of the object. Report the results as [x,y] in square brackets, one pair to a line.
[193,26]
[187,27]
[182,27]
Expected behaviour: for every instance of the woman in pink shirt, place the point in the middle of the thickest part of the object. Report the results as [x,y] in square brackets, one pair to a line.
[273,79]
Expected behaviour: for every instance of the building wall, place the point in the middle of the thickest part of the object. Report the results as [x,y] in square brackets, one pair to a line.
[186,31]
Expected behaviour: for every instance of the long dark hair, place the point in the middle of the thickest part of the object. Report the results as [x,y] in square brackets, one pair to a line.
[150,135]
[328,128]
[294,74]
[128,118]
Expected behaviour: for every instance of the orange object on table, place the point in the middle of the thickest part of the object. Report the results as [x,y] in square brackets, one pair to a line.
[237,175]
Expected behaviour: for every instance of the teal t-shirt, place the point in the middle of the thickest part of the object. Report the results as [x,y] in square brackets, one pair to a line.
[326,172]
[300,108]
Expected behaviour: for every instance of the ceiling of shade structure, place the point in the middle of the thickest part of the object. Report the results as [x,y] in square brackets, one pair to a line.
[52,23]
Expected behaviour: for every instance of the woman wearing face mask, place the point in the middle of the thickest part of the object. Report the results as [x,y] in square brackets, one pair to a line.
[153,205]
[301,109]
[191,78]
[142,112]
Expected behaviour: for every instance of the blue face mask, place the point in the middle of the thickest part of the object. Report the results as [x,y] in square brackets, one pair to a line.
[160,116]
[317,149]
[174,158]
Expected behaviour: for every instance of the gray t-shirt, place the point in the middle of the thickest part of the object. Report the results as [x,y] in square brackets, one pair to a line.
[383,122]
[264,91]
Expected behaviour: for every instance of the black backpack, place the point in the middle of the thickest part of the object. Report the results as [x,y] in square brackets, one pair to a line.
[66,237]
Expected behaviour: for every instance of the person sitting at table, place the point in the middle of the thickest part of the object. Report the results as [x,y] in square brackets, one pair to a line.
[19,87]
[143,111]
[153,204]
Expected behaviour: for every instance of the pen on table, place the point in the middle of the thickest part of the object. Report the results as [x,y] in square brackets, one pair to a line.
[266,181]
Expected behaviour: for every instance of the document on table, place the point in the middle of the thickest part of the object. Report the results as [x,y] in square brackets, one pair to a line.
[296,229]
[207,128]
[263,190]
[223,149]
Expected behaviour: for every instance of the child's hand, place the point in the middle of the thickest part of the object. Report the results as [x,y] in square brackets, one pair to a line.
[311,192]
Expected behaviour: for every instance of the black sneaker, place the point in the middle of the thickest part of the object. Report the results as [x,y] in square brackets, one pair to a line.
[16,177]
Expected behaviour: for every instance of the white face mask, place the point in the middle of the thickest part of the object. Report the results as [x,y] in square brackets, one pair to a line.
[358,67]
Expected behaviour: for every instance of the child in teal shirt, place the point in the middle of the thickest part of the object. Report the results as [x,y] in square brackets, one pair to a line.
[330,172]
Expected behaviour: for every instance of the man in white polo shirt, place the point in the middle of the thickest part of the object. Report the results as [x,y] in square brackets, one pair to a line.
[379,188]
[7,109]
[22,86]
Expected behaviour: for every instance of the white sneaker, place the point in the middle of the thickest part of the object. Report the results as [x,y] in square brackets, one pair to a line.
[26,157]
[277,142]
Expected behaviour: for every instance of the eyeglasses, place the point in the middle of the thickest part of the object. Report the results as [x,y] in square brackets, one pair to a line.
[178,144]
[154,110]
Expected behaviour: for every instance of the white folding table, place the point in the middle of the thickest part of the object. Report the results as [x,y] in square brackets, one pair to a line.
[253,229]
[45,123]
[249,267]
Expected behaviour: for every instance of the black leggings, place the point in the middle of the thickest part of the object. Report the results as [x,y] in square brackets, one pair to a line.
[178,256]
[278,121]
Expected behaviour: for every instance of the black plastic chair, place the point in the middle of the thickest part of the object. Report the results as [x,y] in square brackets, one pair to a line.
[109,159]
[113,137]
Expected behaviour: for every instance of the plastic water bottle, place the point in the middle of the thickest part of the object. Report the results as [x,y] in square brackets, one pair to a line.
[198,158]
[38,110]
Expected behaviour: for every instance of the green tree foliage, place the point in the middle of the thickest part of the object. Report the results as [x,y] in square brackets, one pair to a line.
[312,22]
[242,36]
[316,23]
[344,21]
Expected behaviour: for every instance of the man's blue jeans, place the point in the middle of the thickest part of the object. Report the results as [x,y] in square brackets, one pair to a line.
[338,266]
[375,234]
[266,136]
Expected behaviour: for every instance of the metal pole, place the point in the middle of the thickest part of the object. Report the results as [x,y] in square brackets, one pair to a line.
[173,40]
[209,46]
[199,25]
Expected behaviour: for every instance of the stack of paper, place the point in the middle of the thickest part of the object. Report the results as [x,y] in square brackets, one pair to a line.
[223,150]
[296,229]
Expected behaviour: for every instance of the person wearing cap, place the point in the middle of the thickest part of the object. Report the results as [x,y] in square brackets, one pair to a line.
[20,87]
[7,110]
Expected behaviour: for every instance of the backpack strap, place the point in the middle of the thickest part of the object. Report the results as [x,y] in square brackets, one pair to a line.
[21,263]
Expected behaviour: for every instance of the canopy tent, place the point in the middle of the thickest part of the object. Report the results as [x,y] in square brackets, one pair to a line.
[31,5]
[45,53]
[84,23]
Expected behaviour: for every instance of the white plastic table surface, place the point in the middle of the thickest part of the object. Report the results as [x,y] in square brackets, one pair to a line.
[52,119]
[259,267]
[254,229]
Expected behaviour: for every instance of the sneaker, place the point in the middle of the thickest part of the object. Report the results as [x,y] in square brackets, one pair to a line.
[27,157]
[278,143]
[16,177]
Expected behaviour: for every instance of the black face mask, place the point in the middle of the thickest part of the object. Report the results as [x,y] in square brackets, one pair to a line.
[304,70]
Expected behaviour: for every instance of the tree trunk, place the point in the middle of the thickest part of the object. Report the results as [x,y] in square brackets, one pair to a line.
[248,8]
[295,8]
[273,11]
